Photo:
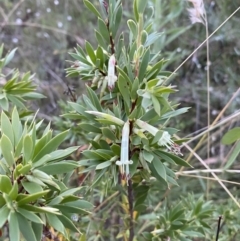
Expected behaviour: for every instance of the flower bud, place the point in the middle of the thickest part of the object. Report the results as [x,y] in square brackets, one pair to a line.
[111,77]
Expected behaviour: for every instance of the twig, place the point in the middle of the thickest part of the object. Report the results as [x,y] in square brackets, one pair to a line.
[218,228]
[207,171]
[213,174]
[130,203]
[214,126]
[208,178]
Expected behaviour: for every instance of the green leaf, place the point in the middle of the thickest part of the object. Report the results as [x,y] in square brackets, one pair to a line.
[135,87]
[6,127]
[14,191]
[29,215]
[164,157]
[38,230]
[59,167]
[94,99]
[144,37]
[90,128]
[5,184]
[7,150]
[101,40]
[81,59]
[14,232]
[231,136]
[103,30]
[67,209]
[91,7]
[25,169]
[52,145]
[141,5]
[26,228]
[80,204]
[124,89]
[70,191]
[233,156]
[55,155]
[125,76]
[135,9]
[144,65]
[103,165]
[107,132]
[42,142]
[148,156]
[17,100]
[152,38]
[100,55]
[153,72]
[133,28]
[160,168]
[37,209]
[56,223]
[90,52]
[179,161]
[68,223]
[173,113]
[4,212]
[32,197]
[156,105]
[2,201]
[98,154]
[35,180]
[16,126]
[116,149]
[9,57]
[4,103]
[27,148]
[117,22]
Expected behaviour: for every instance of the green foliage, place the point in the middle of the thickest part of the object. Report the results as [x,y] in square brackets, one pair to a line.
[33,192]
[16,89]
[138,92]
[231,136]
[123,121]
[185,221]
[27,183]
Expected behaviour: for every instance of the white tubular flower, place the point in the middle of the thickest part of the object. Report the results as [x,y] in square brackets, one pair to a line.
[124,159]
[107,117]
[111,77]
[146,127]
[164,140]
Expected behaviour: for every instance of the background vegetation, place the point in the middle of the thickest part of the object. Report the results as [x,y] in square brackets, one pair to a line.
[46,31]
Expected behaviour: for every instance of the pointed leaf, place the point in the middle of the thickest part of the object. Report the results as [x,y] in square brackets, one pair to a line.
[56,223]
[91,7]
[14,232]
[231,136]
[52,145]
[4,212]
[27,148]
[6,127]
[29,215]
[26,228]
